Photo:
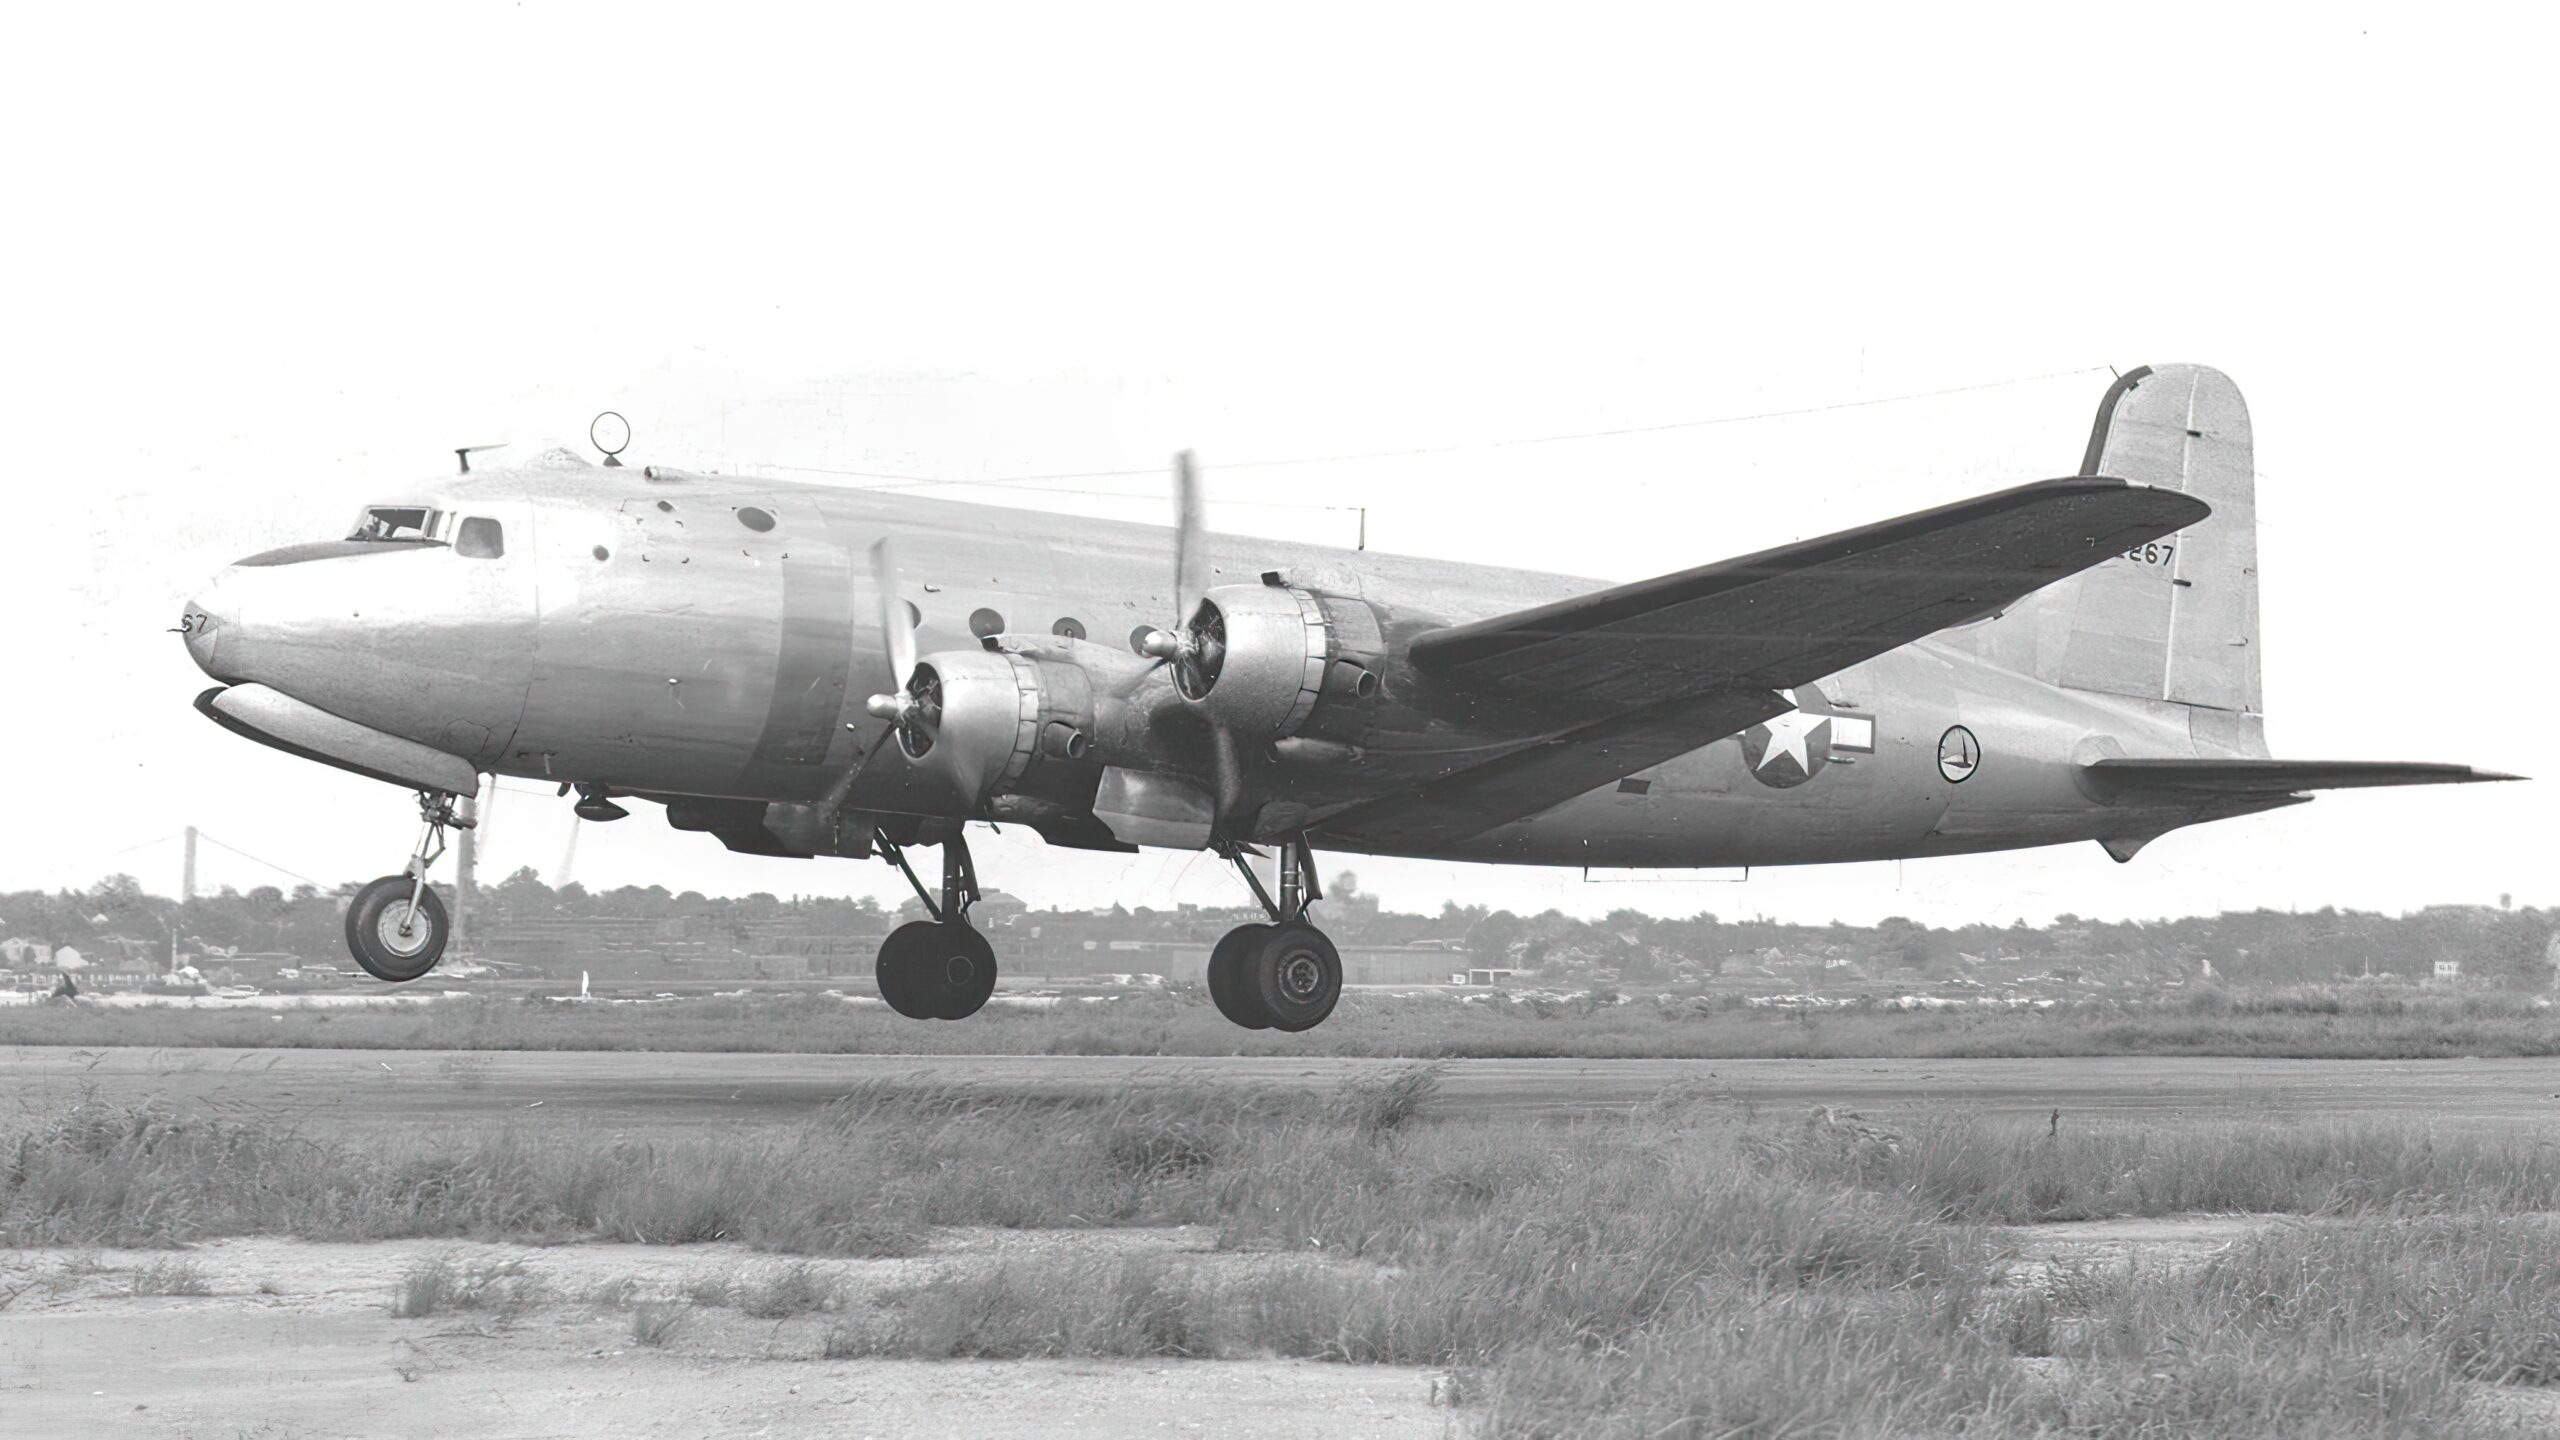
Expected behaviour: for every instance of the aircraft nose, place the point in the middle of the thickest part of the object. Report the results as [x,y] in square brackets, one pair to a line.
[214,610]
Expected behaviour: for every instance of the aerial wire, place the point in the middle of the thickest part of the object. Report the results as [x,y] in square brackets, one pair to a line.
[894,481]
[270,864]
[69,866]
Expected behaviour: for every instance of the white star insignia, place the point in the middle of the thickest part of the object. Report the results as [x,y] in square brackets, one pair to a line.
[1791,735]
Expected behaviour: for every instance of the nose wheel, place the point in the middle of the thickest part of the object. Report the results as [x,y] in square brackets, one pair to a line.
[397,926]
[1285,975]
[942,968]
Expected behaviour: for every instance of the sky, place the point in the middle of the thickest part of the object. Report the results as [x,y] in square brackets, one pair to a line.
[263,263]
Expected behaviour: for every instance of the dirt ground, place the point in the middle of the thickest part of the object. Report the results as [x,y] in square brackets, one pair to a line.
[298,1340]
[294,1340]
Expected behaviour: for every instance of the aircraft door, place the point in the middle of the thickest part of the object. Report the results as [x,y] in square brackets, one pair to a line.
[484,656]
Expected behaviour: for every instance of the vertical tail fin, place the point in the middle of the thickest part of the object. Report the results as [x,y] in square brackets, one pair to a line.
[2175,621]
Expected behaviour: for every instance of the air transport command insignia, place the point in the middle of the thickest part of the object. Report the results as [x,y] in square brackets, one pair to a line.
[1959,754]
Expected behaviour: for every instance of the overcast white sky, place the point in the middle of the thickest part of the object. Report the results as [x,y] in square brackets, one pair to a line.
[260,262]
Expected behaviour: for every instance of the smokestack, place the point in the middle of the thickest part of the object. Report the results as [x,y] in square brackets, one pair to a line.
[187,876]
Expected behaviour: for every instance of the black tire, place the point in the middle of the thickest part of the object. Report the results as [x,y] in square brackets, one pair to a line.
[1226,984]
[899,969]
[1295,974]
[963,970]
[930,970]
[376,920]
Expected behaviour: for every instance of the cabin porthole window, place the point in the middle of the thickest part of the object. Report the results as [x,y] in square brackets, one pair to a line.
[984,622]
[480,538]
[603,554]
[1069,627]
[755,518]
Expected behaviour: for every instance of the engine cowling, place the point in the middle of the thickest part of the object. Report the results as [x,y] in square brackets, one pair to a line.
[981,719]
[1255,659]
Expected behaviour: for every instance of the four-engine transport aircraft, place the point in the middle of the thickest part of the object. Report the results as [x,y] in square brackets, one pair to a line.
[2070,660]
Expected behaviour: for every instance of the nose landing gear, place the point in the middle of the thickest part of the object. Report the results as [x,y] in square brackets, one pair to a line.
[942,968]
[397,926]
[1285,975]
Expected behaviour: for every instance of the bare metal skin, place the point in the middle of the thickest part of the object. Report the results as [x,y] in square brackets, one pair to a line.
[709,642]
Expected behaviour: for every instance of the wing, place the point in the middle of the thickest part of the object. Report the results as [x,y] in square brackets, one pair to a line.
[2174,781]
[1799,612]
[1671,664]
[1527,781]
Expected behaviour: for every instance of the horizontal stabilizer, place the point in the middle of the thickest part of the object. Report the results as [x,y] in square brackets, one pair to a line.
[2245,779]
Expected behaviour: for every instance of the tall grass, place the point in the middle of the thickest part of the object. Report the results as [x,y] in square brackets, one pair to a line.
[1352,1173]
[1963,1167]
[1686,1269]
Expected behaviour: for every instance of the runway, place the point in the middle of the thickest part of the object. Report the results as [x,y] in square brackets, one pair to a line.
[647,1091]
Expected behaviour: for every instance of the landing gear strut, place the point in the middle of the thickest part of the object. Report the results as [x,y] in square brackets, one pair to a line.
[396,926]
[1285,975]
[942,968]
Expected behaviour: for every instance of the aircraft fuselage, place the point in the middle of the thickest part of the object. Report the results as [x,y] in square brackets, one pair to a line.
[712,636]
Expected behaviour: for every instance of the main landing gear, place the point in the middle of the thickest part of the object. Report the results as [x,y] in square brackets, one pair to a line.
[942,968]
[396,926]
[1285,975]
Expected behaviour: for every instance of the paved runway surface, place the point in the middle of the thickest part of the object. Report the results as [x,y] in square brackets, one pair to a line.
[328,1089]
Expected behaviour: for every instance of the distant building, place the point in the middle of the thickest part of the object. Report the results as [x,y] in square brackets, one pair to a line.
[2448,969]
[1394,965]
[997,908]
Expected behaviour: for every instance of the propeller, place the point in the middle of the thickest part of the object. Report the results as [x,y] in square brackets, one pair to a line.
[914,709]
[1196,646]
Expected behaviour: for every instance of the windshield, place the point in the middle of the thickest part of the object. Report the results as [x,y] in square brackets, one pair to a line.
[395,522]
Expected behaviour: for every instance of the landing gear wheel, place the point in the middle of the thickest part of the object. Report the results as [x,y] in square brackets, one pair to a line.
[1293,973]
[389,939]
[936,970]
[899,970]
[964,970]
[1226,982]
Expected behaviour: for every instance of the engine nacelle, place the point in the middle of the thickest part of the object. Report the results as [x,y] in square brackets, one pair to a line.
[986,718]
[1255,659]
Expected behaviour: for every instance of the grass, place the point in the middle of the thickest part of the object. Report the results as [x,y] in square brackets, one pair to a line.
[173,1276]
[658,1324]
[442,1283]
[2342,1022]
[1683,1269]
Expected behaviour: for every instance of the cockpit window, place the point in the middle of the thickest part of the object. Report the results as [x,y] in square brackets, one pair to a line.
[480,538]
[394,522]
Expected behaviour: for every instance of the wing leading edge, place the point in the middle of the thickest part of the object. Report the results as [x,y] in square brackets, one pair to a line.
[1798,612]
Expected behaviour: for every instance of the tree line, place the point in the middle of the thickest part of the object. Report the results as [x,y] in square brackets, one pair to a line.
[115,917]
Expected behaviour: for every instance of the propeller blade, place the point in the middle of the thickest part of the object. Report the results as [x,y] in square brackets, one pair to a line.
[1190,543]
[897,633]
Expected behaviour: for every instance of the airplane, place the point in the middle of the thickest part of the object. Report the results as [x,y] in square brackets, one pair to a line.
[2070,660]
